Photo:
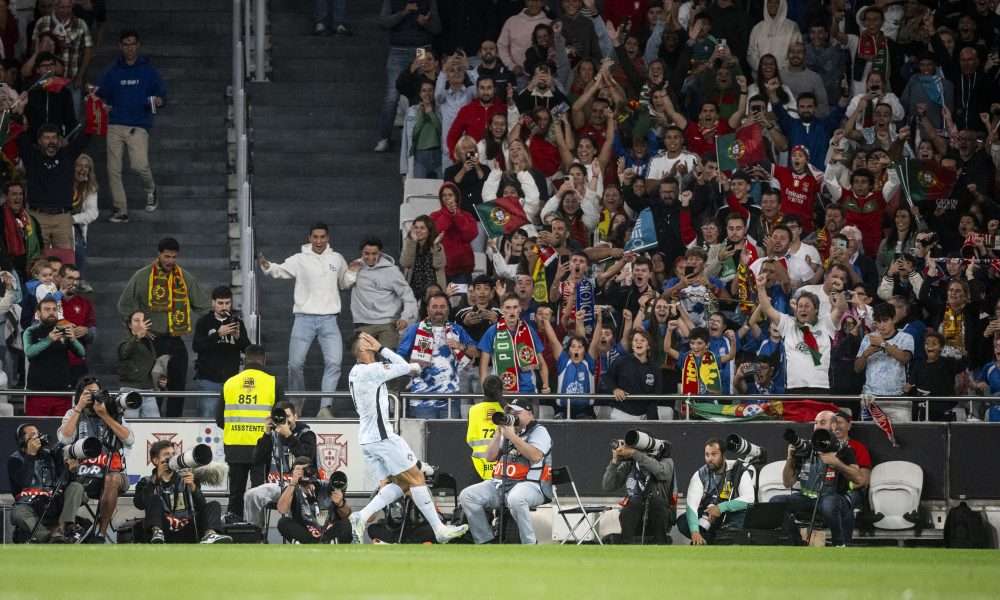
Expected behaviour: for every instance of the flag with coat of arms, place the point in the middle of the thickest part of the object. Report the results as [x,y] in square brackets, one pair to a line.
[502,216]
[742,148]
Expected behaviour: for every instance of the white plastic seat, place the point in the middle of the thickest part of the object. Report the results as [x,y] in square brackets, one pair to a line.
[894,492]
[769,482]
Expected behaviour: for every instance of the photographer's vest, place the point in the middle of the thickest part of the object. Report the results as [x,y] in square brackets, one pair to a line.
[722,489]
[480,434]
[173,497]
[43,479]
[280,467]
[514,467]
[248,398]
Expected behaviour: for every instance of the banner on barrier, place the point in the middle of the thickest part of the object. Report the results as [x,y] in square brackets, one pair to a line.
[337,448]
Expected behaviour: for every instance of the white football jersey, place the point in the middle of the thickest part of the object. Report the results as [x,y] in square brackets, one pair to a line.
[370,396]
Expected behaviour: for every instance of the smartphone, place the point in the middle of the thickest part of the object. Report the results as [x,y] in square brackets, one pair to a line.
[462,288]
[470,155]
[563,258]
[688,271]
[421,53]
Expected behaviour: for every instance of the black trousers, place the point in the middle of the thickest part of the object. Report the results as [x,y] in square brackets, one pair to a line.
[207,515]
[238,475]
[176,371]
[293,530]
[657,522]
[708,534]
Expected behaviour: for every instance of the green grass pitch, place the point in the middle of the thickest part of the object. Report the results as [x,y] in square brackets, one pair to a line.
[284,572]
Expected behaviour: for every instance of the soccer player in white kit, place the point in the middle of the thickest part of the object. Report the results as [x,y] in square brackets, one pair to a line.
[387,455]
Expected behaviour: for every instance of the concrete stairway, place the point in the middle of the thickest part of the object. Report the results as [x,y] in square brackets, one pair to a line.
[313,133]
[189,42]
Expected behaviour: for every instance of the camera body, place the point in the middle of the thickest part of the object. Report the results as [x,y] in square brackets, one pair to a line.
[278,416]
[310,476]
[118,404]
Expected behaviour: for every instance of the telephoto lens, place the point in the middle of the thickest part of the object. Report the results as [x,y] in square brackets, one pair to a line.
[278,416]
[823,441]
[338,481]
[801,446]
[128,400]
[198,456]
[501,419]
[89,447]
[643,442]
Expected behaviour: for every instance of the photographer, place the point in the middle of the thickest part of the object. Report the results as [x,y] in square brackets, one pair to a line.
[648,479]
[522,476]
[824,473]
[35,471]
[272,466]
[45,346]
[176,509]
[717,496]
[299,503]
[219,338]
[97,414]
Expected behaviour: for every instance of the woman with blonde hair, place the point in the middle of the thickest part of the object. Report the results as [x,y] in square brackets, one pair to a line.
[84,209]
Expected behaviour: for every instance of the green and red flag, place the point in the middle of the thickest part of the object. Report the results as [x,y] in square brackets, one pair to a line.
[502,216]
[927,180]
[743,148]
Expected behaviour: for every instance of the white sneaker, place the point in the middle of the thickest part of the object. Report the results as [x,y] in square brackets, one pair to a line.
[382,145]
[450,532]
[216,538]
[324,413]
[152,203]
[357,529]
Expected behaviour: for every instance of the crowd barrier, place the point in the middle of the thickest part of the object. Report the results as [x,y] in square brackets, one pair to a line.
[959,459]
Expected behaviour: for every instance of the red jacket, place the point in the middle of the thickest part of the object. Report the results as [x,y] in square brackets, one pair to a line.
[459,230]
[472,120]
[865,214]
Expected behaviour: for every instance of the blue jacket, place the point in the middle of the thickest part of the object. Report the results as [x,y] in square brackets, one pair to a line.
[127,88]
[816,136]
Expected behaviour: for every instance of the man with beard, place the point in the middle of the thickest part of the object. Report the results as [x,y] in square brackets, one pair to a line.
[800,79]
[673,160]
[540,92]
[822,237]
[21,239]
[473,118]
[80,315]
[665,207]
[836,280]
[491,67]
[46,346]
[863,204]
[808,130]
[723,262]
[717,497]
[443,349]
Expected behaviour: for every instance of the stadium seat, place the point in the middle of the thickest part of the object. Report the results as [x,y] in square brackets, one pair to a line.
[562,476]
[769,483]
[420,197]
[894,491]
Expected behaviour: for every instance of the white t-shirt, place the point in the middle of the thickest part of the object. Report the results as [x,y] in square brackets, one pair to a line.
[825,307]
[800,370]
[370,396]
[798,270]
[810,251]
[661,164]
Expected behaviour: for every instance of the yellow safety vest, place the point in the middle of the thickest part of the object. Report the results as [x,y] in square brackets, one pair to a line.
[248,396]
[480,434]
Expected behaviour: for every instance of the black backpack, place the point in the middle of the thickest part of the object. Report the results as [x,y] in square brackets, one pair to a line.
[967,528]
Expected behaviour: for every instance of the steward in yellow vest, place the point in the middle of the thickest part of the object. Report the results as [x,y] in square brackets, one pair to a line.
[247,400]
[481,428]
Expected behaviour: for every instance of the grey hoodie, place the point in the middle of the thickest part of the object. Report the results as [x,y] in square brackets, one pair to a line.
[381,295]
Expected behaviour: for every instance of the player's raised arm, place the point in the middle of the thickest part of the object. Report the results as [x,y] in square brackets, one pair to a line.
[397,367]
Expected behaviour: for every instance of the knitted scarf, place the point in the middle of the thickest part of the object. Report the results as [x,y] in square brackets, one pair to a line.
[873,49]
[701,378]
[746,291]
[17,229]
[513,353]
[546,254]
[425,343]
[952,327]
[585,302]
[168,292]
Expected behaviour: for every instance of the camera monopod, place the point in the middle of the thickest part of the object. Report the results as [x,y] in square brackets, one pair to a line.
[198,456]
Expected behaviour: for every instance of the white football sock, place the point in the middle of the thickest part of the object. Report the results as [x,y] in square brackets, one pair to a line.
[389,493]
[422,498]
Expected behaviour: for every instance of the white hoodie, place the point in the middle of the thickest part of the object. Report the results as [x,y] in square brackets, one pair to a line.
[773,35]
[318,279]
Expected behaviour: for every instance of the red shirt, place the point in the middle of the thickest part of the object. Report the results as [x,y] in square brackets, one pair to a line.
[472,120]
[702,142]
[80,312]
[617,11]
[798,194]
[865,214]
[861,453]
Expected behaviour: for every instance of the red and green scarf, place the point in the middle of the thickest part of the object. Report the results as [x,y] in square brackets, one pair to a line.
[511,354]
[546,254]
[701,378]
[874,49]
[811,344]
[425,344]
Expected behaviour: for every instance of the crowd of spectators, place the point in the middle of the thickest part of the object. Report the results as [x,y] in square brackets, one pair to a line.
[853,249]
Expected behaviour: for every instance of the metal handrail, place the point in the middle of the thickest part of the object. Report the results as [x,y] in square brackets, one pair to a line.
[242,33]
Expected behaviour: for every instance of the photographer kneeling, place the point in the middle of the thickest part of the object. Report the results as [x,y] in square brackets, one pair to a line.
[176,510]
[97,414]
[522,476]
[36,472]
[717,496]
[299,503]
[642,464]
[285,440]
[824,468]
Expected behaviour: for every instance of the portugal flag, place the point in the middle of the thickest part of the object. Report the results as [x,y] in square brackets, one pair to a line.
[740,149]
[54,84]
[502,216]
[927,180]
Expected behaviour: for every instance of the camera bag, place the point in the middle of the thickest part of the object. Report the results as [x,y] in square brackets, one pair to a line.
[243,533]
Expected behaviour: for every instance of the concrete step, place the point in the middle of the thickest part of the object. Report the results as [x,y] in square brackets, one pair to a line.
[117,8]
[304,46]
[313,94]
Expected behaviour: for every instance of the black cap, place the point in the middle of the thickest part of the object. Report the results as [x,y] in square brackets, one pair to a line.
[483,280]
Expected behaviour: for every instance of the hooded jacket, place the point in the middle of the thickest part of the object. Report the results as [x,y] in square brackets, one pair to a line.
[515,37]
[773,35]
[381,294]
[459,230]
[127,89]
[318,280]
